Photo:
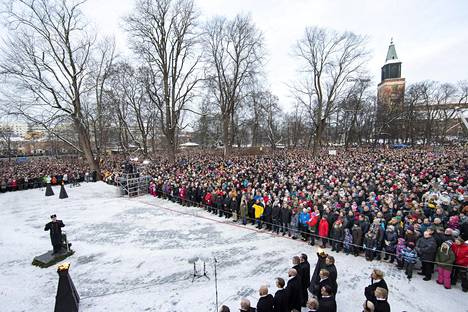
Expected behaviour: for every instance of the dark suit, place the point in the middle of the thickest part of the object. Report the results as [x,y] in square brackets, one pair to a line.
[280,301]
[381,306]
[294,292]
[265,304]
[369,290]
[305,278]
[327,304]
[324,282]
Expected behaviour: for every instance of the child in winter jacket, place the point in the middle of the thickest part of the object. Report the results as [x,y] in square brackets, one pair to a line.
[348,241]
[399,256]
[445,257]
[409,257]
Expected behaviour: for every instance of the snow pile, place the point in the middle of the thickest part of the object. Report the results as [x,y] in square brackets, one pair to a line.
[133,255]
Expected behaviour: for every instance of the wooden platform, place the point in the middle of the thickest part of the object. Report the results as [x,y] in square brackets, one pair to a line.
[48,259]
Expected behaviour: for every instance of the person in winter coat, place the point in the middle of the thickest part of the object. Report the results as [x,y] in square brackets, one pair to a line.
[460,249]
[348,241]
[266,301]
[258,208]
[293,290]
[323,229]
[313,225]
[244,207]
[280,301]
[293,225]
[370,245]
[409,259]
[275,217]
[390,242]
[267,215]
[356,231]
[426,247]
[410,235]
[364,224]
[305,277]
[377,280]
[285,215]
[208,201]
[233,208]
[445,257]
[304,217]
[337,235]
[377,226]
[401,244]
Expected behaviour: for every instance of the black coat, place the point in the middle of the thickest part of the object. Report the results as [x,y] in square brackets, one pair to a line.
[327,305]
[426,248]
[356,231]
[55,231]
[305,277]
[325,282]
[294,293]
[265,304]
[280,301]
[381,306]
[369,290]
[275,212]
[315,276]
[333,273]
[285,214]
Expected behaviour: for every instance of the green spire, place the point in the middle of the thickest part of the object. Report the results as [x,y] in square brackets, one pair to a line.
[391,54]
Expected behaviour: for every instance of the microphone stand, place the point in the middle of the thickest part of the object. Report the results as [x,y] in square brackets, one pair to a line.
[216,283]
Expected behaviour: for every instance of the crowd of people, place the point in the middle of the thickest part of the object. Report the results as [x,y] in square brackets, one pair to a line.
[35,172]
[317,292]
[402,206]
[405,206]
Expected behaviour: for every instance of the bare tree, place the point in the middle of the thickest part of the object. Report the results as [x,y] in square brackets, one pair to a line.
[352,108]
[135,113]
[6,134]
[99,111]
[444,95]
[163,34]
[234,52]
[46,61]
[329,59]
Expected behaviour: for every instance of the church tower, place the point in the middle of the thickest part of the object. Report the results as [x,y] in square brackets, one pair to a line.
[390,96]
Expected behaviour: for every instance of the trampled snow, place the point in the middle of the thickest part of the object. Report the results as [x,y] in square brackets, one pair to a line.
[133,255]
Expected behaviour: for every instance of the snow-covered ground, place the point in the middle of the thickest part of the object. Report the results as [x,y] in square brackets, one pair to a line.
[133,255]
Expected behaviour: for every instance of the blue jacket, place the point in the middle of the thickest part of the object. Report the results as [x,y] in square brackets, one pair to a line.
[409,255]
[303,218]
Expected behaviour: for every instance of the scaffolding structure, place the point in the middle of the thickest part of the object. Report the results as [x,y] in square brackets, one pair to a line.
[133,184]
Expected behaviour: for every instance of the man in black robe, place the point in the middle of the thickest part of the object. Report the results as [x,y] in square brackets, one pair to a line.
[55,228]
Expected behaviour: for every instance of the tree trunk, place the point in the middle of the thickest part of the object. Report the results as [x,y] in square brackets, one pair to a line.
[85,145]
[226,136]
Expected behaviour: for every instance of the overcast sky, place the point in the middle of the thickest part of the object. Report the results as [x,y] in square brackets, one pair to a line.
[431,36]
